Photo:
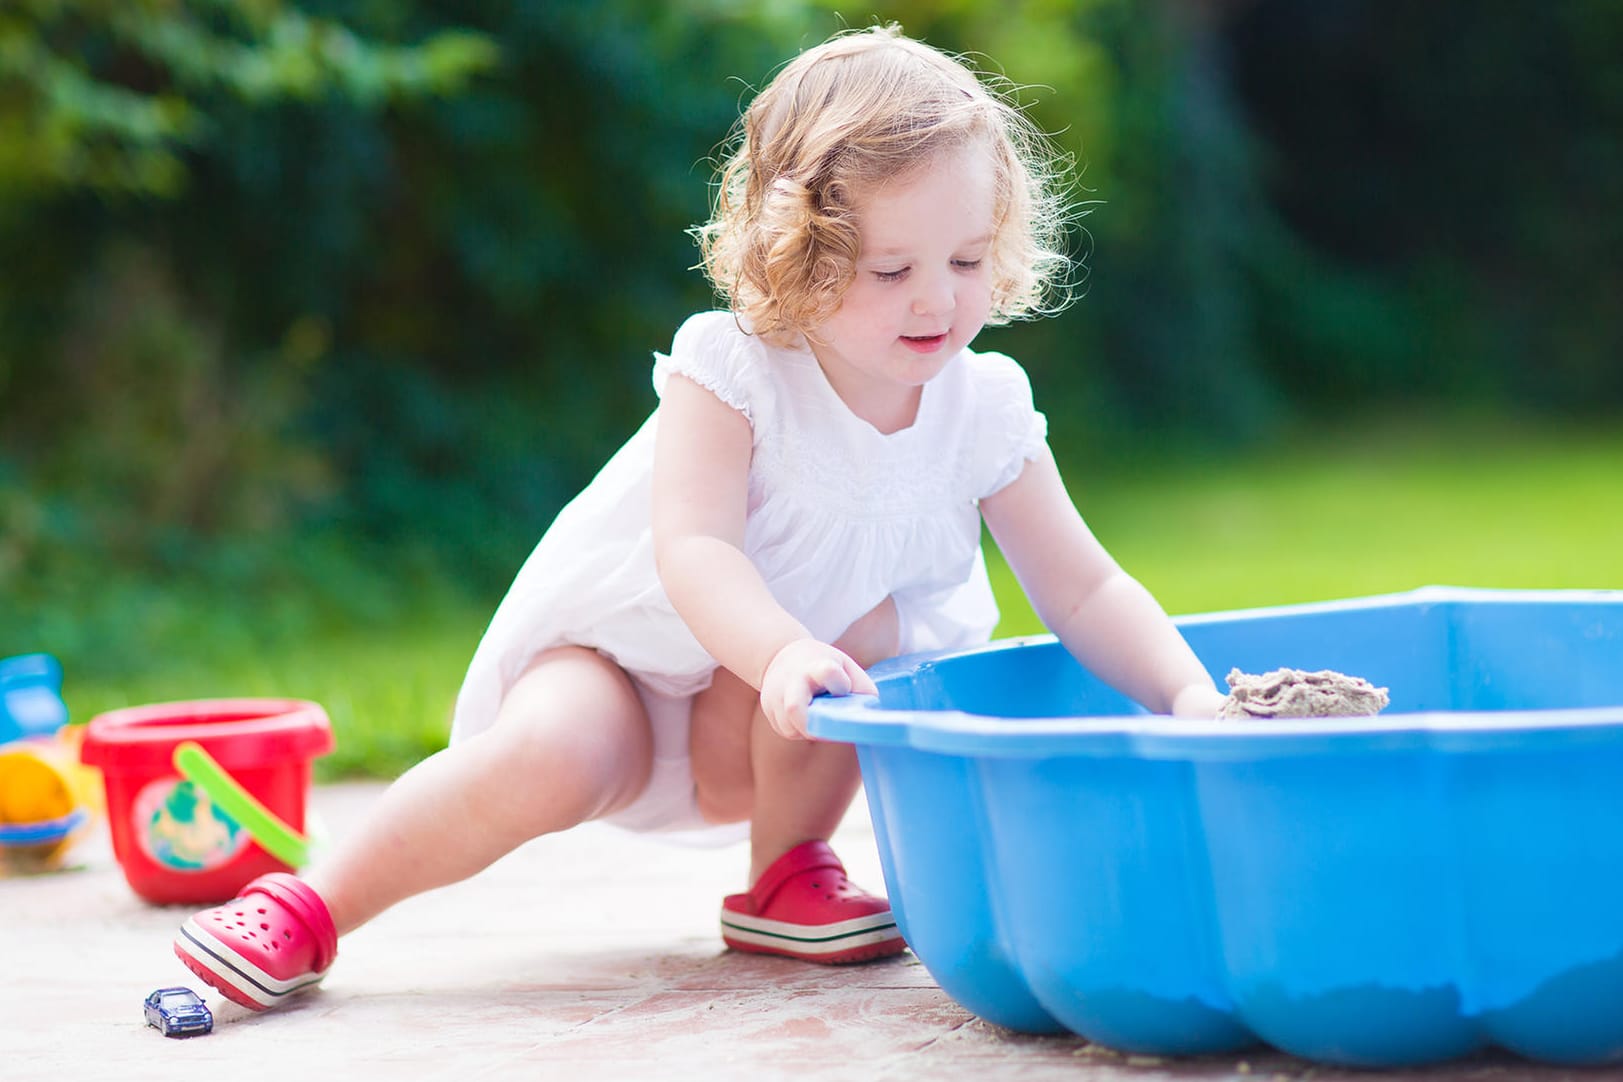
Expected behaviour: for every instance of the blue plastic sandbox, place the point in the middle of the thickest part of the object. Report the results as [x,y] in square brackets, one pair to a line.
[1373,892]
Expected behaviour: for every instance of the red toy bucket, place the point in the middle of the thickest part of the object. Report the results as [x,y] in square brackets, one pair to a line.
[173,844]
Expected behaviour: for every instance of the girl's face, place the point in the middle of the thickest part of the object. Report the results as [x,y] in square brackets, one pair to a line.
[922,290]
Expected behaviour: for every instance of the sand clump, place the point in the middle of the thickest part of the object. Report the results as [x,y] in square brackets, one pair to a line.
[1293,693]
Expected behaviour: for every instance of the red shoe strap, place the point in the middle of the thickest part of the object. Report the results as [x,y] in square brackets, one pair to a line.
[306,905]
[804,857]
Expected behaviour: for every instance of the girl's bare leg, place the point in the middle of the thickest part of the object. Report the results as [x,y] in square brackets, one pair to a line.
[791,790]
[803,789]
[719,748]
[570,743]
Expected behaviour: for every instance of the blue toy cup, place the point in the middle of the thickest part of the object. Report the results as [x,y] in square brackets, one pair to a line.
[30,697]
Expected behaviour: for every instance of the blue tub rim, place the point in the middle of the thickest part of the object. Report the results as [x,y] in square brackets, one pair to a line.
[860,720]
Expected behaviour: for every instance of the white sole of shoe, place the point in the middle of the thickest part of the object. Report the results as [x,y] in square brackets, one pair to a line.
[810,940]
[233,969]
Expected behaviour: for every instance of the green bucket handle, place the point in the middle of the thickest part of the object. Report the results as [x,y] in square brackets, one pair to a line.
[263,825]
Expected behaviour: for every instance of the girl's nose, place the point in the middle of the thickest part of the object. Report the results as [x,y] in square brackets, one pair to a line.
[933,299]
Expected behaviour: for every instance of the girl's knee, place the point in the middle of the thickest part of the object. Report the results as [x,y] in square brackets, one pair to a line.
[573,732]
[723,804]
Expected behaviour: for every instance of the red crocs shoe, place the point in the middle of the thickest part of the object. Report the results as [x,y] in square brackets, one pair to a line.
[274,939]
[804,907]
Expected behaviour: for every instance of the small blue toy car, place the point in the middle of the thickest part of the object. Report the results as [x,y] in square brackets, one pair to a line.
[178,1012]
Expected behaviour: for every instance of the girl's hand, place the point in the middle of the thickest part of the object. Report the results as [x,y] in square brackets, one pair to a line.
[1199,701]
[798,672]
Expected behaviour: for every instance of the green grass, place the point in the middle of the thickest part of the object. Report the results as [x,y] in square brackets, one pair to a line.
[1330,514]
[388,690]
[1370,510]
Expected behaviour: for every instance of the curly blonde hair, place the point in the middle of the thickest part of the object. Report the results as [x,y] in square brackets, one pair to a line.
[839,120]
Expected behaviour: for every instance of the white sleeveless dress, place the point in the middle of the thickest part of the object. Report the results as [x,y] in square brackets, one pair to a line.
[840,517]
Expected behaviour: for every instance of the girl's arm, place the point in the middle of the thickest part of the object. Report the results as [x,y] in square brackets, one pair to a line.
[1103,616]
[701,478]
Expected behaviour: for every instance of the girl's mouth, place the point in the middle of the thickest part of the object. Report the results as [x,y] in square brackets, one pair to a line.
[924,343]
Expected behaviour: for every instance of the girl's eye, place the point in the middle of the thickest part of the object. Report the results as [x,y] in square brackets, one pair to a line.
[966,264]
[890,276]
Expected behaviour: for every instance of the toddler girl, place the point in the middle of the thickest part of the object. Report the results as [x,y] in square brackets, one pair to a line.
[806,500]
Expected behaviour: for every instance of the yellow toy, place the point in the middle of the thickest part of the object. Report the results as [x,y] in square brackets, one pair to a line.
[47,797]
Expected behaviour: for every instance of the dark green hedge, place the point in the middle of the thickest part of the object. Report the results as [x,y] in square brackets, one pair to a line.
[380,281]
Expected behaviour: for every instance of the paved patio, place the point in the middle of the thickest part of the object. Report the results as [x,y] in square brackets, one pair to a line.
[592,954]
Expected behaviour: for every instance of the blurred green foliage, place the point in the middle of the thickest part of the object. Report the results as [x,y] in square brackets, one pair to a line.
[107,94]
[322,308]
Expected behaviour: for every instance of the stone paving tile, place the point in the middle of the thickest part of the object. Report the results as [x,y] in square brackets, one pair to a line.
[803,1025]
[592,954]
[729,970]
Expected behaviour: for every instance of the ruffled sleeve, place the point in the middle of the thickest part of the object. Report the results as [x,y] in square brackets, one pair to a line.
[1011,431]
[711,350]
